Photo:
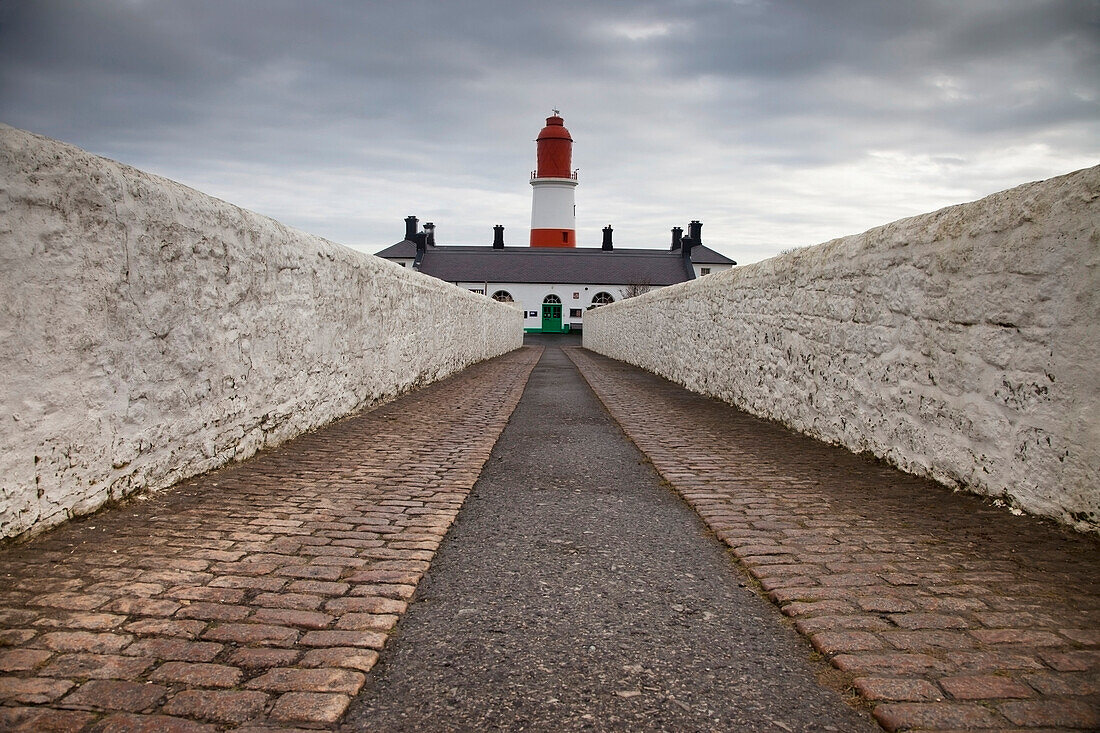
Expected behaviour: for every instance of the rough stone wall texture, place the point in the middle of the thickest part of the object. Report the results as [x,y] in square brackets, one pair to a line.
[961,344]
[149,332]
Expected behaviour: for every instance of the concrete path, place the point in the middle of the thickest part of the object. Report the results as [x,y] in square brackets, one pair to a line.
[951,614]
[576,592]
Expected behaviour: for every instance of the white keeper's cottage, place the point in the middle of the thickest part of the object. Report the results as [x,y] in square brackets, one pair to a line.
[552,279]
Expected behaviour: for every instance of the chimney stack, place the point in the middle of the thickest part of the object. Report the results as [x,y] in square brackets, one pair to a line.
[677,235]
[607,238]
[696,232]
[694,239]
[410,228]
[429,229]
[498,236]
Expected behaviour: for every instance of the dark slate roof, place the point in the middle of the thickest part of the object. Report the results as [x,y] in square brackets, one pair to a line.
[404,248]
[704,255]
[552,265]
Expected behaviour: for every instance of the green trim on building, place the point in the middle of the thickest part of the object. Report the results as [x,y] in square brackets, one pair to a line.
[566,328]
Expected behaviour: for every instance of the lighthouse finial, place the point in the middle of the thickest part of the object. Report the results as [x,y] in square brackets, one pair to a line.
[557,112]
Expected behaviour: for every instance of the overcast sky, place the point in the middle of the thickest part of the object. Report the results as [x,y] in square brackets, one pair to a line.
[777,124]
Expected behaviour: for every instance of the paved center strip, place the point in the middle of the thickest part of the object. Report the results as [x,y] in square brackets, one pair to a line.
[577,592]
[252,595]
[952,614]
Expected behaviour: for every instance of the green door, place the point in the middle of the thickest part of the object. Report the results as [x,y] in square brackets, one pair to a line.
[551,318]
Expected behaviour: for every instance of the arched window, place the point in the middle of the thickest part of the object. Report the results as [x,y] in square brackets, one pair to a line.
[551,298]
[503,296]
[602,298]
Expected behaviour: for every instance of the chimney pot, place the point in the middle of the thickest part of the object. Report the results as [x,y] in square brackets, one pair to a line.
[498,236]
[696,232]
[410,228]
[607,245]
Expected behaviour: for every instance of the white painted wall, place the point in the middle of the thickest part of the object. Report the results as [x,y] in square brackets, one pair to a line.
[528,297]
[149,332]
[711,269]
[962,344]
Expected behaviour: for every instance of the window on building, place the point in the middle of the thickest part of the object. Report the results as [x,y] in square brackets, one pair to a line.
[575,312]
[551,298]
[704,270]
[602,298]
[565,237]
[503,296]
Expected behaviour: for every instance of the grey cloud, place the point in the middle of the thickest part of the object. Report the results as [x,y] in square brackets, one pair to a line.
[434,105]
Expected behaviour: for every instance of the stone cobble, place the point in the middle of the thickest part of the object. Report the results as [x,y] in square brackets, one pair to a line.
[257,595]
[947,613]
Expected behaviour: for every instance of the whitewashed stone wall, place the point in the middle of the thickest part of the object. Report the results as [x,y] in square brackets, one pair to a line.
[149,332]
[962,344]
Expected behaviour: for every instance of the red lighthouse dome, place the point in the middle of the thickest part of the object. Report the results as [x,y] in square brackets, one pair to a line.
[555,150]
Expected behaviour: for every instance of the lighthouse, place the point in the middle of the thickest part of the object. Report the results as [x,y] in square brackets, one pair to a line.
[553,211]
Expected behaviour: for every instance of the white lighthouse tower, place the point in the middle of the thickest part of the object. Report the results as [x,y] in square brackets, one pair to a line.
[553,211]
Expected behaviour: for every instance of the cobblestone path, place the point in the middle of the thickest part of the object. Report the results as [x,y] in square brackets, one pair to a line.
[950,614]
[256,595]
